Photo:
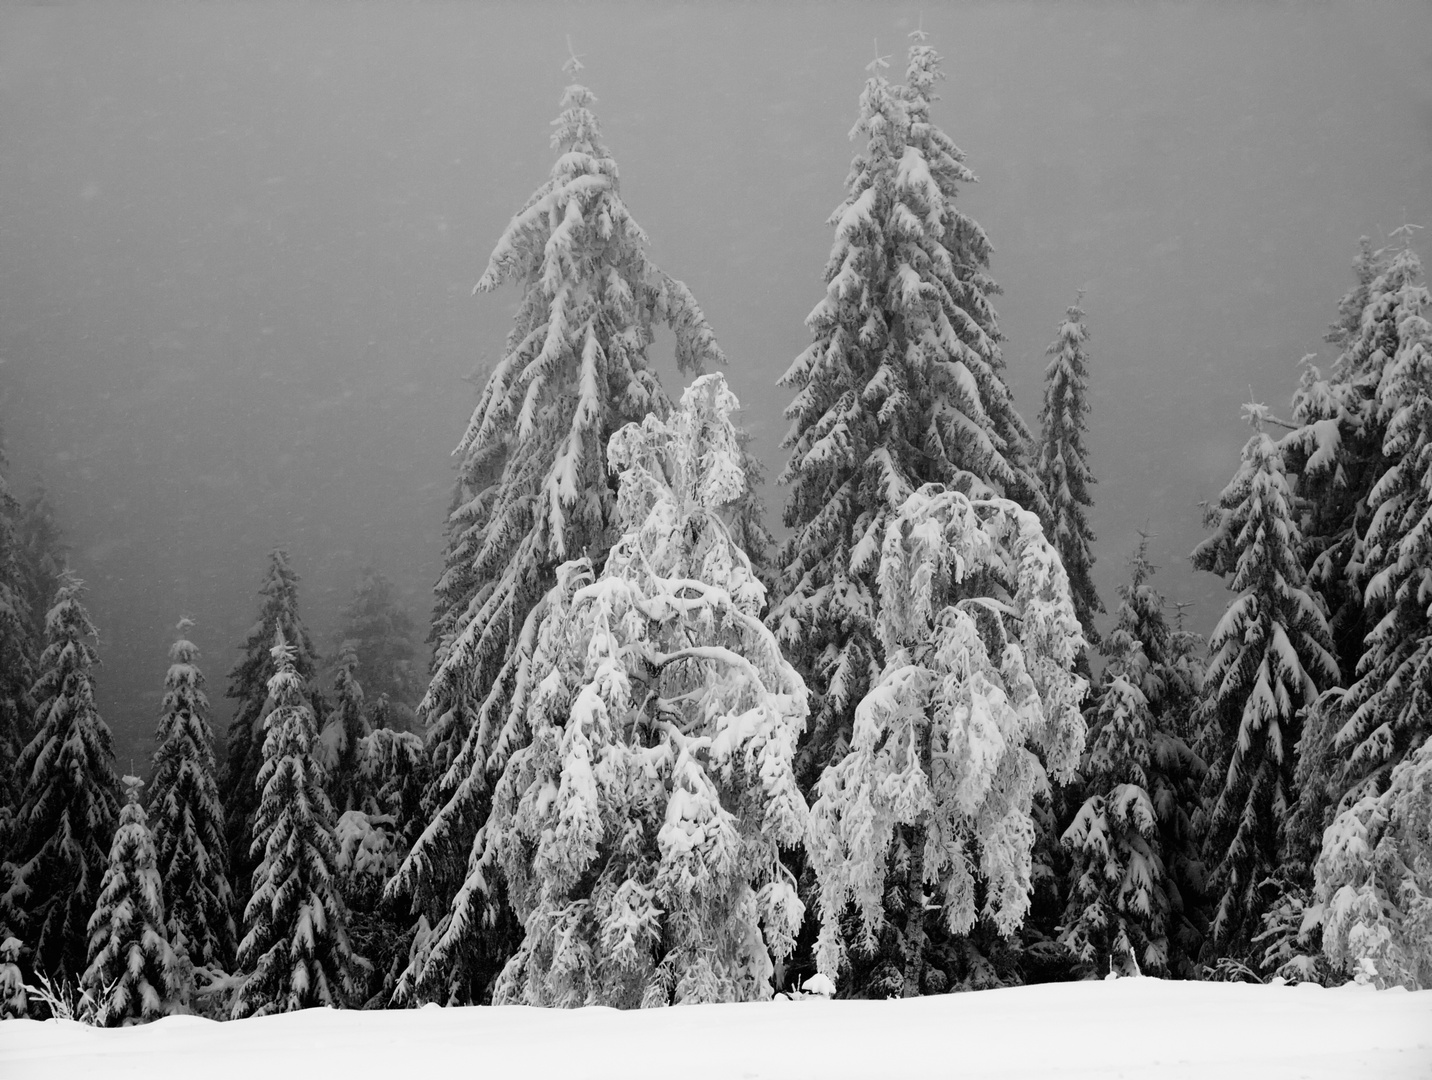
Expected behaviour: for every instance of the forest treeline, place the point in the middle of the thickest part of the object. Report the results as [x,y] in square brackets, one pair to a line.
[660,757]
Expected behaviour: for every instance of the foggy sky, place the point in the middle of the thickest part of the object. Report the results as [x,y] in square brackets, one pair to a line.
[238,243]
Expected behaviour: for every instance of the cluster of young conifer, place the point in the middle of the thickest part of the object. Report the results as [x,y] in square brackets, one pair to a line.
[135,907]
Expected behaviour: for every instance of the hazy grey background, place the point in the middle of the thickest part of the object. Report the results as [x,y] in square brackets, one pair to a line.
[237,245]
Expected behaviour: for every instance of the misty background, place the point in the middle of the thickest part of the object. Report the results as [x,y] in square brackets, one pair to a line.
[238,244]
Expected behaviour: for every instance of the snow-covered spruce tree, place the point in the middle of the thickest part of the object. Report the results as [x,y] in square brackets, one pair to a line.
[646,789]
[574,371]
[1063,464]
[134,974]
[1335,452]
[385,656]
[980,640]
[1137,877]
[1271,654]
[1374,881]
[346,727]
[1117,905]
[249,687]
[1391,701]
[70,800]
[295,952]
[901,385]
[188,818]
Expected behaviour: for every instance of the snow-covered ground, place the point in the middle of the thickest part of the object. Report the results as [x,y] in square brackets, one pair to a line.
[1129,1027]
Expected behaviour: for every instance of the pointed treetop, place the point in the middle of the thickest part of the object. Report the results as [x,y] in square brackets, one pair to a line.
[919,34]
[132,786]
[1404,232]
[282,652]
[573,63]
[184,623]
[1256,414]
[879,62]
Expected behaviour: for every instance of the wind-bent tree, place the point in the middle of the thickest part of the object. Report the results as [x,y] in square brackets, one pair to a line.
[646,790]
[980,640]
[192,852]
[535,488]
[901,385]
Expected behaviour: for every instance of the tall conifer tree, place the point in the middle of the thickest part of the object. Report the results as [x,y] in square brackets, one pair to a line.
[295,952]
[1271,655]
[70,799]
[1063,464]
[902,385]
[535,479]
[134,973]
[188,817]
[1137,880]
[249,687]
[1391,701]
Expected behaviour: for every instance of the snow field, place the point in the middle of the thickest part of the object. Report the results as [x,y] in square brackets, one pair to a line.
[1126,1027]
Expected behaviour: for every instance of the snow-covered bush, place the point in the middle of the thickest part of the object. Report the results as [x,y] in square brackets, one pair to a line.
[646,791]
[980,639]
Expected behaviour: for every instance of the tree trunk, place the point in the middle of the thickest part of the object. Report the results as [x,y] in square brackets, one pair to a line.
[915,913]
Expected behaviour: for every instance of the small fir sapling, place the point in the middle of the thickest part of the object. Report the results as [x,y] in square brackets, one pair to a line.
[980,639]
[646,790]
[134,974]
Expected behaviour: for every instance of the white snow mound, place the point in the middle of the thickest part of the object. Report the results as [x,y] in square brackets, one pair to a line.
[1130,1027]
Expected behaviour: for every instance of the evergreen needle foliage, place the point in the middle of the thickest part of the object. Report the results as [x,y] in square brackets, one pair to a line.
[535,489]
[134,974]
[295,952]
[70,799]
[189,818]
[1271,655]
[249,687]
[1063,464]
[901,385]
